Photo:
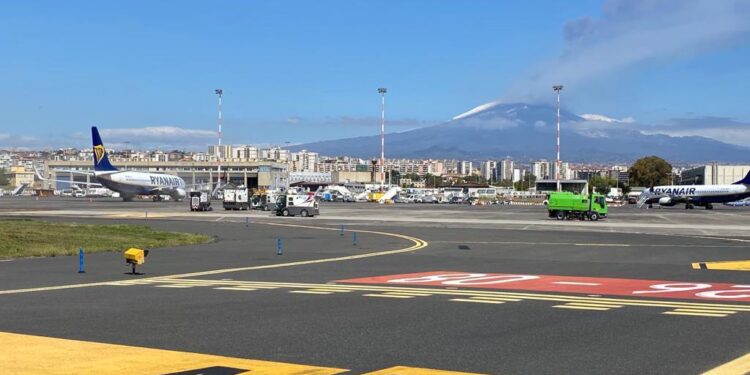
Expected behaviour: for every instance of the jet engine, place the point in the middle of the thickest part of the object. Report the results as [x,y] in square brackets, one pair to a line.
[666,201]
[179,194]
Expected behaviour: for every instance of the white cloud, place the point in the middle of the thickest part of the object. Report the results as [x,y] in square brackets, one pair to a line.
[603,118]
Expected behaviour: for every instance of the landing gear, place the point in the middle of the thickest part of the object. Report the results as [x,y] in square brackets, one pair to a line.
[709,206]
[157,198]
[127,198]
[689,206]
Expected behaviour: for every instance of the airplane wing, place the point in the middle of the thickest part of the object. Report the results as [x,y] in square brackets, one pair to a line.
[95,184]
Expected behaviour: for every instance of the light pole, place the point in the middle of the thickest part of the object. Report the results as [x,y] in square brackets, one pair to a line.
[382,92]
[557,89]
[220,93]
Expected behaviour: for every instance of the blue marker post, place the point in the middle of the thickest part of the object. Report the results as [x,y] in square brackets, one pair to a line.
[354,238]
[80,261]
[278,246]
[342,230]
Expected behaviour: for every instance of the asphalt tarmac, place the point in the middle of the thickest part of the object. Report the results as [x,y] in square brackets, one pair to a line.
[322,301]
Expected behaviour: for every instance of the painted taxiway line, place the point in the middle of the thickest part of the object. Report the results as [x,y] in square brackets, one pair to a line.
[473,295]
[729,265]
[739,366]
[418,244]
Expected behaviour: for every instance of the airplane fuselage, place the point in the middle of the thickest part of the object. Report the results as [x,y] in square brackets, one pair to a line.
[700,194]
[130,183]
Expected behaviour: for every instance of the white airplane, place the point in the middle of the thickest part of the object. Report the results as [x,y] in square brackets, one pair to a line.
[696,195]
[127,183]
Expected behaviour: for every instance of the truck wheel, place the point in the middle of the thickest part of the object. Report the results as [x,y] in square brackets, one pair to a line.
[594,216]
[285,212]
[560,215]
[303,213]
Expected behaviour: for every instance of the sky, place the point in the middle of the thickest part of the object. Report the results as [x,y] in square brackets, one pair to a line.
[301,71]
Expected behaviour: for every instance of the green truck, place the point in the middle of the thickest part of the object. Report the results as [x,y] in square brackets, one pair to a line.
[566,205]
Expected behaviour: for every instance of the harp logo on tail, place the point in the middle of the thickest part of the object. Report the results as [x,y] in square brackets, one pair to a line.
[98,153]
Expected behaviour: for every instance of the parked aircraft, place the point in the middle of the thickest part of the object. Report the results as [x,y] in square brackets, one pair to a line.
[696,195]
[127,183]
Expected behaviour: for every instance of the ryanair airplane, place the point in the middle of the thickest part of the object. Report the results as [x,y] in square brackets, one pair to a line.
[696,195]
[129,183]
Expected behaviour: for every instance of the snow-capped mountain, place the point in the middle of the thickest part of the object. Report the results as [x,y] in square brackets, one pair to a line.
[527,131]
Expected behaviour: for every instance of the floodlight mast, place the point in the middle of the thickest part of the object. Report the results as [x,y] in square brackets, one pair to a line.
[382,92]
[220,93]
[557,89]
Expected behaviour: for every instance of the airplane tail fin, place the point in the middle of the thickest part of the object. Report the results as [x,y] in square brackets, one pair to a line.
[744,181]
[101,160]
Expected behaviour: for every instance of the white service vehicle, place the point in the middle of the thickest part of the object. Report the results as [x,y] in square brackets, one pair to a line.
[292,204]
[236,199]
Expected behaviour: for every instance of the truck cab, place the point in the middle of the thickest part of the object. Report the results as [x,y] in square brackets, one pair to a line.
[304,205]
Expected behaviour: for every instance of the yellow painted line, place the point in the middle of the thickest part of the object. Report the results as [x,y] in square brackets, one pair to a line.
[418,245]
[594,305]
[403,370]
[706,311]
[504,299]
[174,286]
[387,296]
[236,288]
[581,307]
[694,314]
[25,354]
[731,265]
[413,294]
[332,290]
[739,366]
[308,292]
[493,294]
[478,300]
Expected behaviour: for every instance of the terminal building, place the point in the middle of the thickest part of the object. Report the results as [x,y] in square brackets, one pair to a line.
[573,186]
[714,174]
[253,174]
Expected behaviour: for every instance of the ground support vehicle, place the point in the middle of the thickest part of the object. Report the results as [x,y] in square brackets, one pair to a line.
[304,205]
[566,205]
[199,201]
[236,199]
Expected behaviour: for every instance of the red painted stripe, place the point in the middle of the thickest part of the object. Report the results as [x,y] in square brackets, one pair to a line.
[570,284]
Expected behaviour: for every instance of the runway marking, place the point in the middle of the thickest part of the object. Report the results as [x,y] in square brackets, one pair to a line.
[570,284]
[236,288]
[739,366]
[496,302]
[456,295]
[581,307]
[731,265]
[403,370]
[175,286]
[23,354]
[385,295]
[308,292]
[694,314]
[535,243]
[419,244]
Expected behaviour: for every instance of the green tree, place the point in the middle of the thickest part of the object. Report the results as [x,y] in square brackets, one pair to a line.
[650,171]
[505,183]
[432,181]
[3,177]
[602,184]
[525,183]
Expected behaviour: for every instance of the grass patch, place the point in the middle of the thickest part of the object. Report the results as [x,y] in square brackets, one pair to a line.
[26,238]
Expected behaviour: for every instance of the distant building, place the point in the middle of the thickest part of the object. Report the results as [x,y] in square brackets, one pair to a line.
[505,169]
[464,168]
[714,174]
[574,186]
[488,171]
[541,169]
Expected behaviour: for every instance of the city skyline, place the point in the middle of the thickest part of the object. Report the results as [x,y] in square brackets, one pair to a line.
[297,72]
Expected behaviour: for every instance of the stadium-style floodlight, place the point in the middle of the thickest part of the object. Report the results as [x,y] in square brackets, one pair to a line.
[382,91]
[557,89]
